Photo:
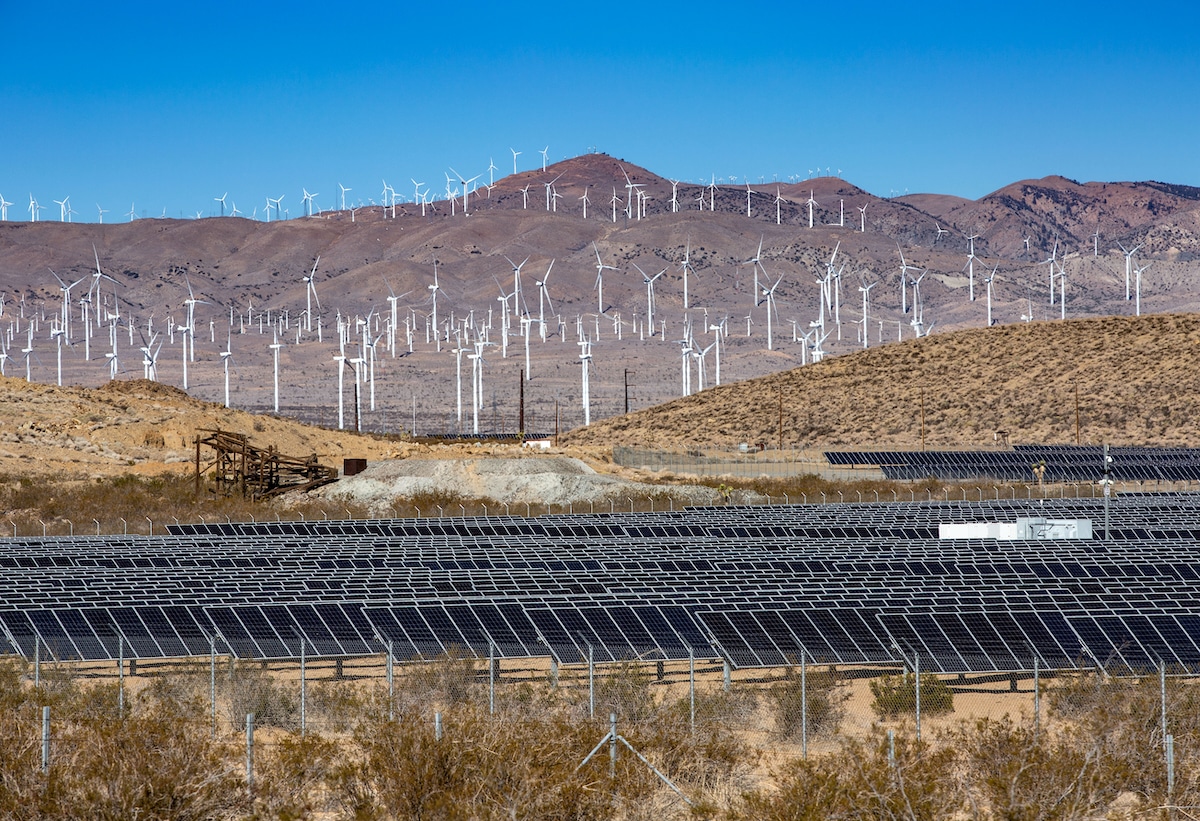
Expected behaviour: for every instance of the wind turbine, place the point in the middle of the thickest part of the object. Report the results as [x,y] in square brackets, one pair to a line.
[585,361]
[810,203]
[433,292]
[543,297]
[970,266]
[1128,266]
[4,208]
[221,199]
[866,296]
[544,152]
[769,293]
[649,280]
[310,293]
[941,230]
[600,269]
[307,199]
[515,154]
[466,184]
[686,265]
[862,219]
[518,300]
[226,356]
[988,281]
[1138,273]
[132,213]
[62,208]
[585,200]
[274,347]
[340,359]
[756,262]
[57,335]
[343,189]
[100,211]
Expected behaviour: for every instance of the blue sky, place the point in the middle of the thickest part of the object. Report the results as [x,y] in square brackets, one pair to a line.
[167,106]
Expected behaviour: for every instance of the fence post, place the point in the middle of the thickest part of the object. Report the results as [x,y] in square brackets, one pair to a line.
[120,676]
[591,684]
[1037,696]
[437,726]
[1170,742]
[803,705]
[612,745]
[250,755]
[692,688]
[892,749]
[45,740]
[391,682]
[303,690]
[728,674]
[1162,691]
[917,670]
[212,681]
[37,661]
[491,678]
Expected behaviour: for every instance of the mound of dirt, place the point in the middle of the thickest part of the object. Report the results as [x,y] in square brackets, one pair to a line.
[532,480]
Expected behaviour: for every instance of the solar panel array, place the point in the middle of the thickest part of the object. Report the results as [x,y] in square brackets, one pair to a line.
[1064,463]
[759,586]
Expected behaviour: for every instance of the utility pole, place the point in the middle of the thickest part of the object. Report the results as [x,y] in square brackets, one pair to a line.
[627,372]
[781,420]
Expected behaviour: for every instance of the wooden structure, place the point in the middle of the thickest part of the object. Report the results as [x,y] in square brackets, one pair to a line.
[240,467]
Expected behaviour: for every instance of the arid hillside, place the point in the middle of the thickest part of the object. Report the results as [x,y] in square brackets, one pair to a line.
[1126,380]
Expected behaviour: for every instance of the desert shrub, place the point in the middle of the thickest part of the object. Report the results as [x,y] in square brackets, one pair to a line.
[820,702]
[624,689]
[861,780]
[481,769]
[896,696]
[1020,773]
[291,780]
[451,678]
[339,705]
[252,690]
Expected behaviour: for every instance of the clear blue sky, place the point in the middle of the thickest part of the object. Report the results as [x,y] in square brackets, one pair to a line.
[170,105]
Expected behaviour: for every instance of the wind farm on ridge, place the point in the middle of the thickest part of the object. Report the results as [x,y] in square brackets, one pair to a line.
[424,315]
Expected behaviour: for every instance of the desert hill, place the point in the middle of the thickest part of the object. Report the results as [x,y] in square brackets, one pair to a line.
[247,274]
[968,385]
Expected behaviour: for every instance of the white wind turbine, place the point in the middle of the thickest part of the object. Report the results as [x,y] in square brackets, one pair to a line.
[778,207]
[699,355]
[649,280]
[866,297]
[342,191]
[988,282]
[274,348]
[62,208]
[585,361]
[433,292]
[57,335]
[810,203]
[862,219]
[310,294]
[543,298]
[545,153]
[970,266]
[686,265]
[466,184]
[100,211]
[308,200]
[132,213]
[221,199]
[756,262]
[585,200]
[941,230]
[1053,260]
[4,208]
[769,293]
[518,299]
[515,154]
[674,196]
[226,356]
[1129,252]
[600,269]
[1138,286]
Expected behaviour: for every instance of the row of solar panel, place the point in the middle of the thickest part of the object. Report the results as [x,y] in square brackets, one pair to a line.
[945,642]
[1062,464]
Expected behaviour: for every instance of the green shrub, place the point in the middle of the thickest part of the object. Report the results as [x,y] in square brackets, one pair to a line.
[819,703]
[896,696]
